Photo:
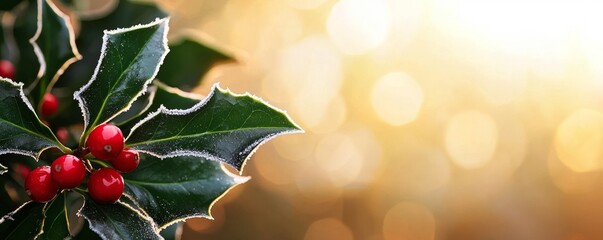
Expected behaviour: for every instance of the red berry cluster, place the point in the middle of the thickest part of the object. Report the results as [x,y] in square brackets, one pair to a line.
[105,185]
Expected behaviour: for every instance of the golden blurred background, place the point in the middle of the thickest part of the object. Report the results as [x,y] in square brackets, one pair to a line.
[432,119]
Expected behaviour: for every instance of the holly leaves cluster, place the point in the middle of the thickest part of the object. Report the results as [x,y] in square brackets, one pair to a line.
[119,69]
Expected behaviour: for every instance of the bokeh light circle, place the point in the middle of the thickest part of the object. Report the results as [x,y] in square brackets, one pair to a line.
[471,139]
[397,98]
[408,220]
[357,26]
[328,229]
[579,139]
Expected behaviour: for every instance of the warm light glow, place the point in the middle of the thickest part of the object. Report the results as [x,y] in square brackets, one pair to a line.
[310,72]
[397,98]
[472,109]
[328,228]
[425,172]
[408,220]
[357,26]
[305,4]
[339,156]
[471,139]
[579,139]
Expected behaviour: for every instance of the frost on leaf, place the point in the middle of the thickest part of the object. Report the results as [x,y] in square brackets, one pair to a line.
[129,61]
[224,127]
[22,131]
[170,191]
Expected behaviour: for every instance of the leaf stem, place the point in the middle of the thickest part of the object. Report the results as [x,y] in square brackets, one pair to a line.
[99,162]
[81,152]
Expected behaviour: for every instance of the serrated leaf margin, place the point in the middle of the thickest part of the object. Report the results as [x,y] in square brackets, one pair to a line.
[106,33]
[239,180]
[28,104]
[38,51]
[140,214]
[216,87]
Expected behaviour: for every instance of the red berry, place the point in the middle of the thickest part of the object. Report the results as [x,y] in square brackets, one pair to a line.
[126,161]
[22,170]
[39,185]
[105,142]
[105,185]
[63,135]
[50,105]
[68,171]
[7,69]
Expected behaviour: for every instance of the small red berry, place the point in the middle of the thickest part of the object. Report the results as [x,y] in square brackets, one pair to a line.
[23,170]
[105,185]
[7,69]
[68,171]
[63,135]
[39,185]
[105,142]
[126,161]
[50,104]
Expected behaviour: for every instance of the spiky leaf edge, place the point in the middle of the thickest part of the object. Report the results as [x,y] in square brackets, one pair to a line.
[216,87]
[78,98]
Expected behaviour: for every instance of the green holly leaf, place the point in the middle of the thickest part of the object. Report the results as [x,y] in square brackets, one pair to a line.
[89,43]
[126,14]
[224,127]
[129,62]
[187,62]
[8,5]
[22,131]
[25,27]
[175,189]
[54,45]
[55,219]
[24,223]
[161,94]
[118,221]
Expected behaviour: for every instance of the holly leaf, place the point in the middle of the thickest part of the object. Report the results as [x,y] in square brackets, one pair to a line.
[21,129]
[55,219]
[54,45]
[187,63]
[129,62]
[24,223]
[225,127]
[89,43]
[175,189]
[25,27]
[118,221]
[171,98]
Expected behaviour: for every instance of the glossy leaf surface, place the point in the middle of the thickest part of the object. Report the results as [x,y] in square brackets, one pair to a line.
[118,221]
[55,219]
[225,127]
[22,131]
[129,62]
[177,188]
[161,94]
[54,45]
[24,223]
